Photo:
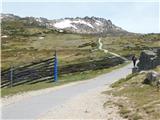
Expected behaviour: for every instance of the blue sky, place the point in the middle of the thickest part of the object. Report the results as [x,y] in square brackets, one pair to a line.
[139,17]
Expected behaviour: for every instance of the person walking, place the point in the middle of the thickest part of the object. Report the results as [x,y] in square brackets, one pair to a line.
[134,59]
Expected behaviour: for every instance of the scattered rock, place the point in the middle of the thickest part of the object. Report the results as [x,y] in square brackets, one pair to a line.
[135,70]
[41,38]
[86,111]
[4,36]
[152,77]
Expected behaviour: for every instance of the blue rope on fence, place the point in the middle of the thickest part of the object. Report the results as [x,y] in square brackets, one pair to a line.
[55,68]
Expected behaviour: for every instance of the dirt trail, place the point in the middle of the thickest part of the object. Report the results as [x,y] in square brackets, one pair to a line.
[106,51]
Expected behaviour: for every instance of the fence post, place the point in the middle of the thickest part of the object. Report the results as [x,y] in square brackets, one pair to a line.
[55,67]
[11,76]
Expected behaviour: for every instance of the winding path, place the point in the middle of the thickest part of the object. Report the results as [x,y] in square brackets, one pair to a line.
[106,51]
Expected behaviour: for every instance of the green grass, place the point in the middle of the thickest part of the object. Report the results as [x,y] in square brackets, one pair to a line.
[67,78]
[122,81]
[18,50]
[125,45]
[143,100]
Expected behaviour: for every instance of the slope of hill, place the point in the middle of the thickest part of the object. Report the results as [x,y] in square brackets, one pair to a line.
[136,100]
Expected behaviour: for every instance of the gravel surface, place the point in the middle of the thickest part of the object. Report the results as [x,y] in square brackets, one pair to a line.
[20,96]
[89,105]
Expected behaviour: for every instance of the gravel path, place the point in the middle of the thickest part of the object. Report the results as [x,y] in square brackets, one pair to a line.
[40,105]
[89,105]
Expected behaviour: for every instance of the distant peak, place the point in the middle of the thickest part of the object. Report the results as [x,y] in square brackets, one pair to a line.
[81,25]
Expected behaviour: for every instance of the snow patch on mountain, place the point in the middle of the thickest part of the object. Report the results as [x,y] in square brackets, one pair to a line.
[83,22]
[38,20]
[64,24]
[97,22]
[71,24]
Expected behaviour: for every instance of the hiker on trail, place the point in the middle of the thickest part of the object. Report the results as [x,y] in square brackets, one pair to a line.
[134,59]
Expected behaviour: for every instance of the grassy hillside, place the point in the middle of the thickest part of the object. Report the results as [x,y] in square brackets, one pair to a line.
[125,45]
[18,50]
[26,42]
[136,100]
[41,44]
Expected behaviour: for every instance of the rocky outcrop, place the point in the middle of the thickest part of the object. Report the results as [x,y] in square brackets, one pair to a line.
[87,25]
[149,59]
[152,78]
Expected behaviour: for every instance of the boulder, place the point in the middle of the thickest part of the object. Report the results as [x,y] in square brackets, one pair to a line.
[158,52]
[152,77]
[149,59]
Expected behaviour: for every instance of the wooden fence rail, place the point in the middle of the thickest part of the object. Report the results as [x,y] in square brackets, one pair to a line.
[43,69]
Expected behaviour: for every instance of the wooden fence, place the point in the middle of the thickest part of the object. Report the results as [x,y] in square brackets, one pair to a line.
[90,65]
[23,74]
[45,69]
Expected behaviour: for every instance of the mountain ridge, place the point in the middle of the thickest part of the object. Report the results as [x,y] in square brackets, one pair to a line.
[80,25]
